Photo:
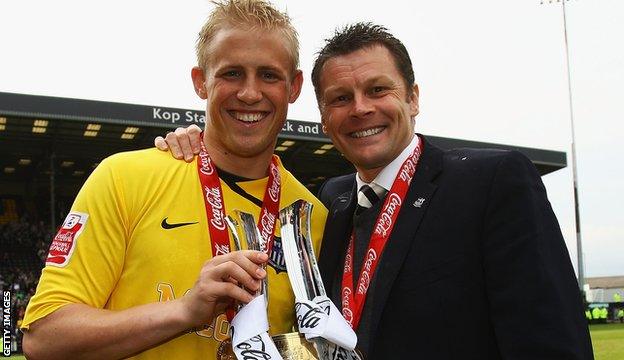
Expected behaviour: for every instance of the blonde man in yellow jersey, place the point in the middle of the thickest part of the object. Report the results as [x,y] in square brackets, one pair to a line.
[132,272]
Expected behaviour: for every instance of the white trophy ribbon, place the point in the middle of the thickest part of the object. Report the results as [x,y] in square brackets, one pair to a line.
[321,318]
[250,338]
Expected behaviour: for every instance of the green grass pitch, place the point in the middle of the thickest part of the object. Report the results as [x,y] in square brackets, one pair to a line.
[608,341]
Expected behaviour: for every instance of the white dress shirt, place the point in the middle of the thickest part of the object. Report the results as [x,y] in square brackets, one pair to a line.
[387,175]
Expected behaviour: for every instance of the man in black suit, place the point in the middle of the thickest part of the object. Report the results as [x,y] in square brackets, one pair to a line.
[464,261]
[463,257]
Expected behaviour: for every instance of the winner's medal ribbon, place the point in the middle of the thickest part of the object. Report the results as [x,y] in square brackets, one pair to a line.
[215,205]
[215,209]
[353,299]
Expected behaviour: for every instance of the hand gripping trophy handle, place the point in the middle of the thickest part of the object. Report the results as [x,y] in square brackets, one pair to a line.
[253,240]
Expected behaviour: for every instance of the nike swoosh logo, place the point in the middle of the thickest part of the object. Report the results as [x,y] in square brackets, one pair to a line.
[165,225]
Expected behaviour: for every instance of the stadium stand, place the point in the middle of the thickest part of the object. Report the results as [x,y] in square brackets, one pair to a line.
[24,243]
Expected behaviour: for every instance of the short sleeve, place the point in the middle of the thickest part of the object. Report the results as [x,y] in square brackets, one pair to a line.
[87,255]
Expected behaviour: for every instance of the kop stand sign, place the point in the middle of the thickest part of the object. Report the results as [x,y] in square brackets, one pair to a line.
[178,116]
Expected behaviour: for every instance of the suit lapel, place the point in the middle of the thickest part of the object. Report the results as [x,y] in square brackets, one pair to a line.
[337,230]
[416,202]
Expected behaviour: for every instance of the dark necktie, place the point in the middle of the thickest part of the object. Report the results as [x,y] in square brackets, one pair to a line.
[368,196]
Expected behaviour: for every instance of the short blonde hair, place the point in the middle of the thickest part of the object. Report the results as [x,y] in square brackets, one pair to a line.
[246,14]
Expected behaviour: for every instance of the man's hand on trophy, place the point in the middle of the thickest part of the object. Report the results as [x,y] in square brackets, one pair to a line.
[219,284]
[183,142]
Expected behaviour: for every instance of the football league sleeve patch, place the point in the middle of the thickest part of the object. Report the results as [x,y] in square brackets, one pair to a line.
[64,241]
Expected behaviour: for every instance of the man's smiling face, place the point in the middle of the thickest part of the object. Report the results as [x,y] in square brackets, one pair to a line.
[366,109]
[248,82]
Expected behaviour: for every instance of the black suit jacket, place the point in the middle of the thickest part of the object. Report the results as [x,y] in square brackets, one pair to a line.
[479,270]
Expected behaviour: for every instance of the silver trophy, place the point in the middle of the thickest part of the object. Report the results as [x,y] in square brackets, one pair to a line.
[246,236]
[303,270]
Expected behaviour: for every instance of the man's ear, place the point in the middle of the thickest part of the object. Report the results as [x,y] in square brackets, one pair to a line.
[413,96]
[295,86]
[199,82]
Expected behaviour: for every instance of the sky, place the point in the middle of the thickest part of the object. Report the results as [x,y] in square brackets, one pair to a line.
[488,70]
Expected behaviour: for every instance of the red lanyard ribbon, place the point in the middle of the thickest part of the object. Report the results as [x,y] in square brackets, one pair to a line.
[353,301]
[215,206]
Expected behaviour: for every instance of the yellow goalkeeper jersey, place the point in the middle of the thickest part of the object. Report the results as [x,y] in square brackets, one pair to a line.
[137,233]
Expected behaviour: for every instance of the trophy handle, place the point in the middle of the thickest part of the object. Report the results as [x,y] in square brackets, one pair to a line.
[233,226]
[306,230]
[298,250]
[254,242]
[251,231]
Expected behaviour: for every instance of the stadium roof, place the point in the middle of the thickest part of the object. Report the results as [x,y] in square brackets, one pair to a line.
[605,282]
[74,135]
